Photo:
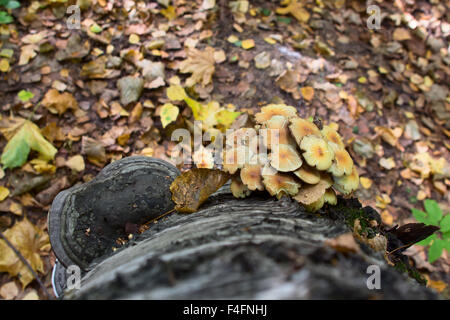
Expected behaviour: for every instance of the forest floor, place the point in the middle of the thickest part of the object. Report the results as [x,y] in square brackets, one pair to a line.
[386,88]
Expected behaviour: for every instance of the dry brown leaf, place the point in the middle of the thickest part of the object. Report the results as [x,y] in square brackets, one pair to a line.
[193,187]
[344,243]
[29,240]
[311,193]
[200,64]
[59,102]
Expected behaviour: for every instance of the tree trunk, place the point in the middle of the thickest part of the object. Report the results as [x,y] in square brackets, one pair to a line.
[253,248]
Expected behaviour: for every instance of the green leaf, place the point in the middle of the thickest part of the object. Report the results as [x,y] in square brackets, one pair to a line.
[427,241]
[421,216]
[12,5]
[445,223]
[25,95]
[433,210]
[5,18]
[95,28]
[27,137]
[446,235]
[435,250]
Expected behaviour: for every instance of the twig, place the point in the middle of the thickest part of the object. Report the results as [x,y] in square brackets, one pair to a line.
[145,225]
[25,262]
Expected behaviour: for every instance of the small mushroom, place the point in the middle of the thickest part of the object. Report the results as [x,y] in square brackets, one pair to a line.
[277,131]
[236,158]
[330,197]
[242,137]
[347,183]
[271,110]
[308,174]
[318,152]
[285,158]
[251,176]
[316,205]
[331,135]
[308,194]
[342,163]
[203,158]
[279,184]
[301,128]
[238,189]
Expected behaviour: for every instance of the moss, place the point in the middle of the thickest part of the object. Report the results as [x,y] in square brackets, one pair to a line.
[412,272]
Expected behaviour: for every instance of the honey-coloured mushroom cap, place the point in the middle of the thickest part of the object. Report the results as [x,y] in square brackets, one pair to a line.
[279,184]
[236,158]
[347,183]
[251,176]
[247,137]
[317,152]
[277,131]
[330,197]
[238,189]
[203,158]
[285,158]
[301,128]
[271,110]
[342,163]
[316,205]
[332,135]
[308,174]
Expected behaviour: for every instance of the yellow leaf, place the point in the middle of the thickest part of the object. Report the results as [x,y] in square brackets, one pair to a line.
[365,182]
[248,44]
[4,65]
[169,114]
[15,208]
[176,93]
[169,13]
[4,193]
[133,39]
[27,53]
[295,9]
[200,64]
[29,240]
[270,40]
[438,285]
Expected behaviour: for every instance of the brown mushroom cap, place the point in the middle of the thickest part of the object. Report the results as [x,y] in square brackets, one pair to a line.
[347,183]
[277,131]
[236,158]
[285,158]
[301,128]
[271,110]
[342,163]
[318,153]
[308,174]
[279,184]
[242,137]
[330,197]
[238,189]
[331,135]
[203,158]
[251,176]
[310,193]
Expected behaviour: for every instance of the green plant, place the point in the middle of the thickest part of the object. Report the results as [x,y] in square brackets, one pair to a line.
[5,17]
[437,242]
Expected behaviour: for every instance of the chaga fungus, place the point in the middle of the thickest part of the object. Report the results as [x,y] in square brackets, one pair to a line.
[271,110]
[285,158]
[317,152]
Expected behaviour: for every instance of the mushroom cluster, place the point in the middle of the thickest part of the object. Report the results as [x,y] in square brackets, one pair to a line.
[303,160]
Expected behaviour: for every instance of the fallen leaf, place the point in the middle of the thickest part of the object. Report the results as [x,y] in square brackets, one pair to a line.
[76,163]
[4,193]
[59,102]
[295,9]
[193,187]
[30,241]
[307,93]
[200,64]
[169,114]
